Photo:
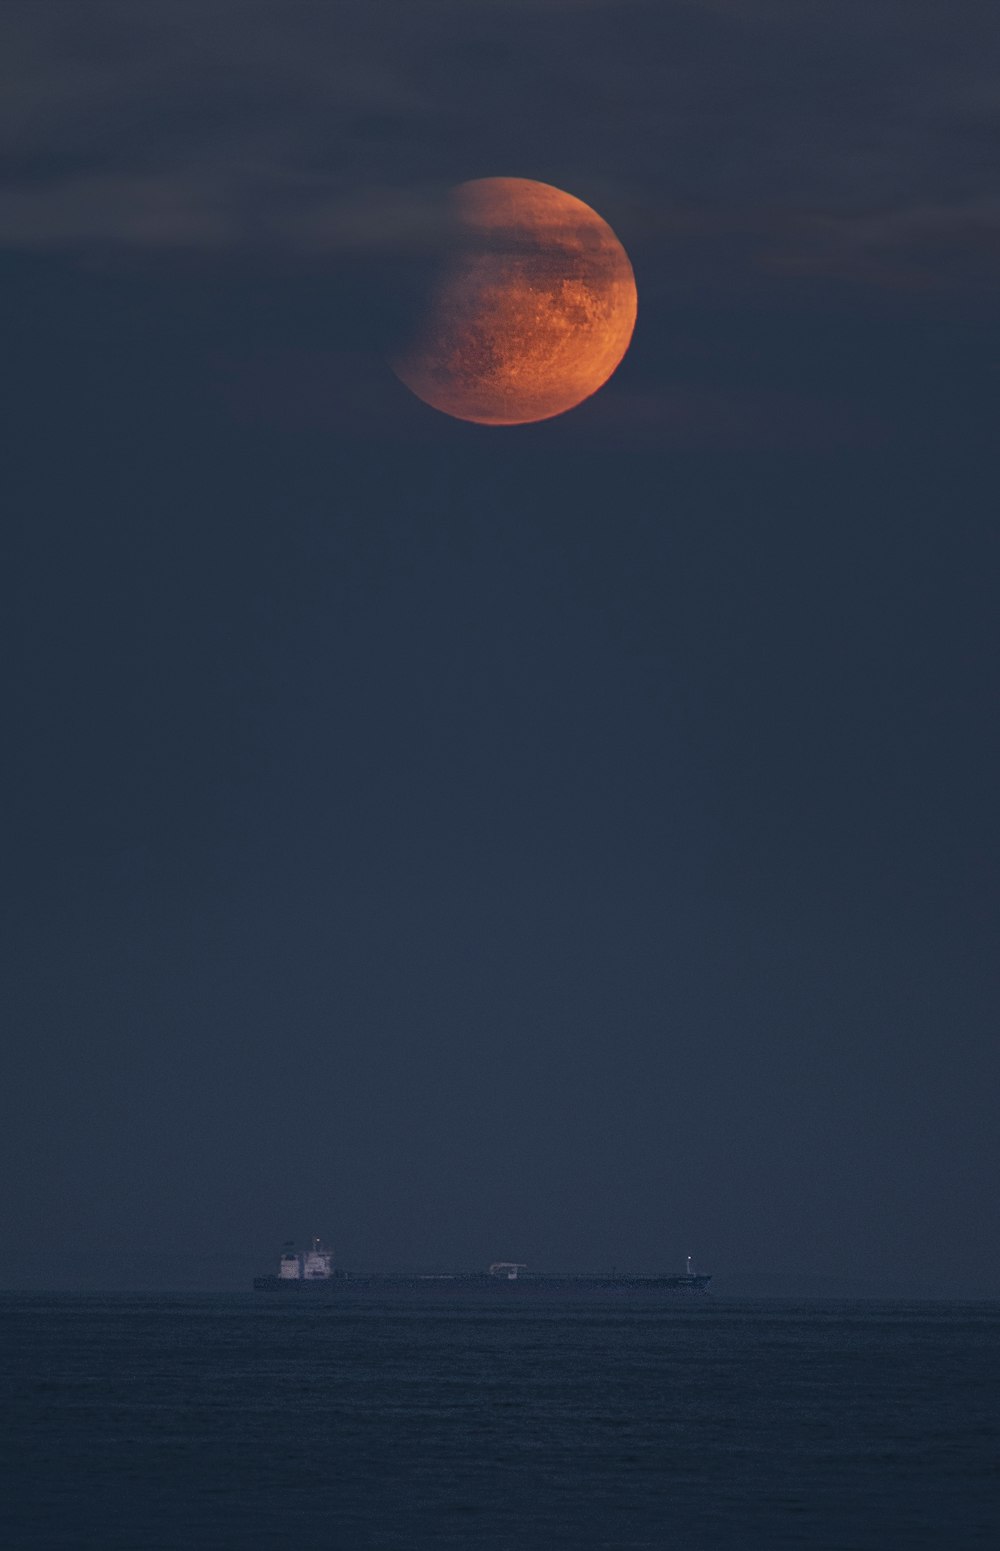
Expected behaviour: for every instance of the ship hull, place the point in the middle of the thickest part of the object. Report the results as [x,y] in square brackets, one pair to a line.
[465,1283]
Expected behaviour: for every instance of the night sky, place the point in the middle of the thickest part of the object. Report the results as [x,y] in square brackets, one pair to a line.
[573,843]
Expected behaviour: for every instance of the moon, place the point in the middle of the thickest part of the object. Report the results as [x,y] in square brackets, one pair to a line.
[532,311]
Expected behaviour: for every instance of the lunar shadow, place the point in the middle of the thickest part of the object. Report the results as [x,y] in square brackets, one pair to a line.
[408,279]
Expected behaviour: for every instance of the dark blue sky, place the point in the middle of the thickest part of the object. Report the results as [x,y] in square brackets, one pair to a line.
[577,842]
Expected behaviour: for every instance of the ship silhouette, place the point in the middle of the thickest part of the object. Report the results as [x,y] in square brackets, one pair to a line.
[312,1271]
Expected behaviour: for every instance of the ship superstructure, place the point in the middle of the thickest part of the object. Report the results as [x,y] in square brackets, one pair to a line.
[314,1264]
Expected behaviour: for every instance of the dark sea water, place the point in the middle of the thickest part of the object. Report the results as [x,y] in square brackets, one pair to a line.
[149,1422]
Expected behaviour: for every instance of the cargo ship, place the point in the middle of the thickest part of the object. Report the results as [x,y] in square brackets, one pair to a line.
[312,1271]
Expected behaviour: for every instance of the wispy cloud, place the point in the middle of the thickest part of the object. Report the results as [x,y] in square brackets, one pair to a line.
[910,246]
[857,141]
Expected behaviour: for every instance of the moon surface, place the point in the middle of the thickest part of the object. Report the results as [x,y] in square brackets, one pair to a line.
[532,311]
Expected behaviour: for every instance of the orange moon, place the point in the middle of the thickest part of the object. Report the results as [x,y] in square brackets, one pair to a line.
[532,312]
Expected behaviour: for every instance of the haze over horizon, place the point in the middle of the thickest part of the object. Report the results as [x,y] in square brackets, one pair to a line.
[574,842]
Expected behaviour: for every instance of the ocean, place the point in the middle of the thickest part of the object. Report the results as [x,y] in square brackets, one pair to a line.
[131,1423]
